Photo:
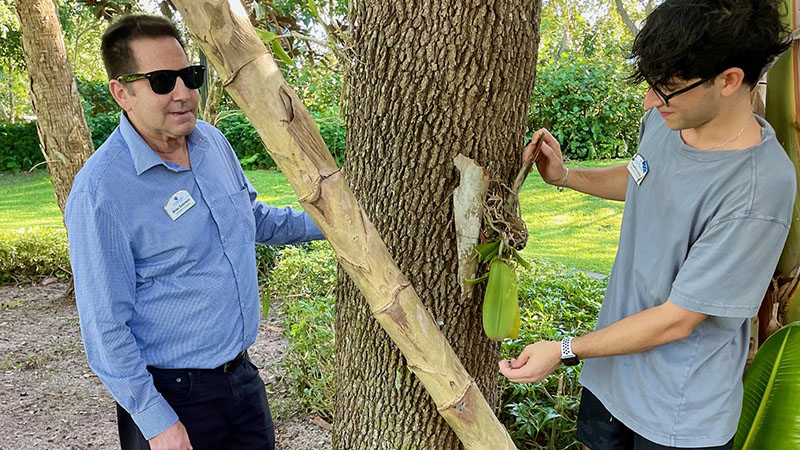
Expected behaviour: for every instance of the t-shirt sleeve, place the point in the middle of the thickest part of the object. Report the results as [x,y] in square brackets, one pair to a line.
[729,267]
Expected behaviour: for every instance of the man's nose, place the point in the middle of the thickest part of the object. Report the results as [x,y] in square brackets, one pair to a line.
[180,92]
[651,100]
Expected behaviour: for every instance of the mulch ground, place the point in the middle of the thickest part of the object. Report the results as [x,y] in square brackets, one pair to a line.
[51,399]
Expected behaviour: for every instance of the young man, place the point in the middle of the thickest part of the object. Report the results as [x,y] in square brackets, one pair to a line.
[162,226]
[708,204]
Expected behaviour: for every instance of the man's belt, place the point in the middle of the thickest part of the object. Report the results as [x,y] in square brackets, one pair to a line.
[231,365]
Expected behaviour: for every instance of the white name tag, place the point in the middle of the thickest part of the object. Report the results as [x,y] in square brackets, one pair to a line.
[638,168]
[178,203]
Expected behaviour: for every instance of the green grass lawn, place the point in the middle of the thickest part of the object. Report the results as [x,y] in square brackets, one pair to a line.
[568,227]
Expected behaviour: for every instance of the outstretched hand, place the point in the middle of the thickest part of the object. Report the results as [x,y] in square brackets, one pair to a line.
[534,364]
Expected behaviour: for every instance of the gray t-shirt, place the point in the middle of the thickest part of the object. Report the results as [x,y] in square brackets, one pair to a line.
[704,230]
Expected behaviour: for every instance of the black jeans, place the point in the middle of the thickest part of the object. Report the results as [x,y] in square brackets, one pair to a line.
[599,430]
[219,410]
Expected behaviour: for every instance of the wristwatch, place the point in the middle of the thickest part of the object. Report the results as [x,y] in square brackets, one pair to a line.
[568,358]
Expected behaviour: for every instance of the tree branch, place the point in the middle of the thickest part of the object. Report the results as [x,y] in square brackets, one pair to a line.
[623,13]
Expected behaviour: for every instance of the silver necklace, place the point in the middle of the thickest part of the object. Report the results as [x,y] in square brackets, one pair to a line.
[738,135]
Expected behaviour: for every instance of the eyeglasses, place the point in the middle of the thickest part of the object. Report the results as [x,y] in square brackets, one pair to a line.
[163,81]
[665,97]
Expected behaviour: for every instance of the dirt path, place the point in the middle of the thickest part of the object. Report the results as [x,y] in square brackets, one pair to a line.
[51,399]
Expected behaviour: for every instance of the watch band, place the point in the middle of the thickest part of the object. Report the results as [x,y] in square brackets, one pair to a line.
[568,357]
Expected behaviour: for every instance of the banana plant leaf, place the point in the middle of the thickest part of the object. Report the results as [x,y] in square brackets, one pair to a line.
[770,417]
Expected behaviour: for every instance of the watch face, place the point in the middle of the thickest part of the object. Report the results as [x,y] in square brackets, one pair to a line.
[572,361]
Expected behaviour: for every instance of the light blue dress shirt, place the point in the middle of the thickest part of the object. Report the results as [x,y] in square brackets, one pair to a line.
[168,293]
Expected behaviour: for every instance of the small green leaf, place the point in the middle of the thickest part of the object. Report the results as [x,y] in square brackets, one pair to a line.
[266,36]
[521,261]
[487,250]
[278,51]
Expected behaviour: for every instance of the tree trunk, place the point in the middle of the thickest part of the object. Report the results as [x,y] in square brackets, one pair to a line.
[65,138]
[428,80]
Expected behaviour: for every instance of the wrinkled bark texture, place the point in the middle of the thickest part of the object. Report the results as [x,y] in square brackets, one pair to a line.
[65,138]
[428,80]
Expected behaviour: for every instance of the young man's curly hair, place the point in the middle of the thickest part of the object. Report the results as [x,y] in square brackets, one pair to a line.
[689,39]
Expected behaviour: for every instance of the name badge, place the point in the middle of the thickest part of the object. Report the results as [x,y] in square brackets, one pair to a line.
[638,168]
[178,203]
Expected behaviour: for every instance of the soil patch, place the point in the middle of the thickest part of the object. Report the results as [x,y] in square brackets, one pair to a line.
[51,399]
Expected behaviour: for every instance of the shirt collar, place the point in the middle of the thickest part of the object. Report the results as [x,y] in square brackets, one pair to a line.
[145,158]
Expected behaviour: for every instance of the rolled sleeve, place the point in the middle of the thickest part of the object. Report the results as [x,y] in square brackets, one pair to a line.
[105,284]
[729,267]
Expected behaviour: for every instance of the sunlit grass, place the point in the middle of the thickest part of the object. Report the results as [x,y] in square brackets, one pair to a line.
[27,200]
[572,228]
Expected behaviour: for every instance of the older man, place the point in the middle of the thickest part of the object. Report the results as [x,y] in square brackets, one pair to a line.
[162,225]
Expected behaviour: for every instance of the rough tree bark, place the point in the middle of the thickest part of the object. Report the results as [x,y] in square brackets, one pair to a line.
[64,136]
[428,80]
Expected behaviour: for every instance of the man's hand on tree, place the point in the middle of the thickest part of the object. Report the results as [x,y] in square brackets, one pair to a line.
[549,161]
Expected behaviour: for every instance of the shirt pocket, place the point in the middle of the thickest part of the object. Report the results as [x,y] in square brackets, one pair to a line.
[245,219]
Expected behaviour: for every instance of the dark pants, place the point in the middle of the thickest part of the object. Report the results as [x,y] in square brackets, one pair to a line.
[599,430]
[219,410]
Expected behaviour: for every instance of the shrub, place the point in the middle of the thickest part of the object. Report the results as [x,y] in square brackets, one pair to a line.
[588,106]
[19,142]
[33,254]
[333,131]
[101,126]
[19,147]
[305,277]
[95,98]
[245,142]
[251,151]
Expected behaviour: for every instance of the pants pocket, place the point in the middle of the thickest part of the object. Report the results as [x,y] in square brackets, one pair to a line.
[174,385]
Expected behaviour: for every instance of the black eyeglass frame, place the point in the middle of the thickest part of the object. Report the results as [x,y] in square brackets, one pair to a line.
[186,74]
[666,97]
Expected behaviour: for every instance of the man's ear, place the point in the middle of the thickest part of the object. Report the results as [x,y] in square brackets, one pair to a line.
[121,94]
[732,81]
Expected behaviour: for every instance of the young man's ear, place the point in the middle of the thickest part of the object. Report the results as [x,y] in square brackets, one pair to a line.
[120,93]
[732,81]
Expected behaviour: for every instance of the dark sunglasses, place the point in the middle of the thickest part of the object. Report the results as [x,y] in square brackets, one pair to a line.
[163,81]
[665,97]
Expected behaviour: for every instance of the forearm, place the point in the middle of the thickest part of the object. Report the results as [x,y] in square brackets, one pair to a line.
[609,182]
[277,226]
[640,332]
